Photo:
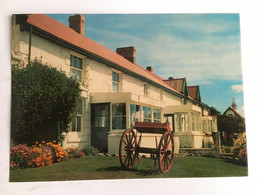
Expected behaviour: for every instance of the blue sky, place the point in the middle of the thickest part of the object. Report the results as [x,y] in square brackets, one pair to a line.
[204,48]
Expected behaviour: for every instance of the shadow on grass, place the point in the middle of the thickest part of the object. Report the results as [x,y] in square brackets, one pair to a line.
[134,170]
[233,161]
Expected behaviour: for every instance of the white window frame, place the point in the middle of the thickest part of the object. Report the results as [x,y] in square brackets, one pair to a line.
[157,120]
[145,118]
[115,82]
[79,115]
[73,68]
[118,116]
[135,117]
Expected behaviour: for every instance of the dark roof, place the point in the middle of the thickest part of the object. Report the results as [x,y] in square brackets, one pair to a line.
[194,92]
[177,84]
[236,113]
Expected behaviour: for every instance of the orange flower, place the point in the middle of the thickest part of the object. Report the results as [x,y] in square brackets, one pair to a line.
[40,145]
[36,143]
[43,142]
[54,141]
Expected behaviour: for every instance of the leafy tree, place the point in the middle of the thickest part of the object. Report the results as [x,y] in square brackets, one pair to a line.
[44,101]
[230,125]
[213,111]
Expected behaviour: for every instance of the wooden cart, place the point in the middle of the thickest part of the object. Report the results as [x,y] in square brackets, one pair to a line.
[130,148]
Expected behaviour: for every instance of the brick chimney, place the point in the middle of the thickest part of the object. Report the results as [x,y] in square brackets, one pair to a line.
[128,53]
[77,23]
[149,68]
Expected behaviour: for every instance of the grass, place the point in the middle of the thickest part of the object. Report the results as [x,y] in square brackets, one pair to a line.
[98,167]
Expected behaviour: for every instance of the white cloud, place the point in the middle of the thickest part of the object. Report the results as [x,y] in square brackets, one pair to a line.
[200,61]
[237,88]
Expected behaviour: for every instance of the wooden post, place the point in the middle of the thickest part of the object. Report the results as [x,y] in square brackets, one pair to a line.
[218,144]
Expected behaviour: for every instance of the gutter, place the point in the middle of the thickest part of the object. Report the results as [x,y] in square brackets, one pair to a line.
[30,44]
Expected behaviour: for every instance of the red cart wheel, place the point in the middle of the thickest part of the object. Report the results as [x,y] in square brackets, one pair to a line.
[165,152]
[127,149]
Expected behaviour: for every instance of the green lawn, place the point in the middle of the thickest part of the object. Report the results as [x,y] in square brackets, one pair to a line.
[97,167]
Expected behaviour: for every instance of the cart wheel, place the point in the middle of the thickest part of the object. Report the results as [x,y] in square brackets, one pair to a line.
[165,152]
[127,149]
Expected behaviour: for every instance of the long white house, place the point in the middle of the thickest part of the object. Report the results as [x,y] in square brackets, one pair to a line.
[116,91]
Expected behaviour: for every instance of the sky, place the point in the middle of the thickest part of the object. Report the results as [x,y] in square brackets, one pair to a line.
[204,48]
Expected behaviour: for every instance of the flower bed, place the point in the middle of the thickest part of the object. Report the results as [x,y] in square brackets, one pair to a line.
[38,155]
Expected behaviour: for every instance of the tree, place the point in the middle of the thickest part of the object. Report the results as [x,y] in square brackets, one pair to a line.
[213,111]
[44,101]
[230,125]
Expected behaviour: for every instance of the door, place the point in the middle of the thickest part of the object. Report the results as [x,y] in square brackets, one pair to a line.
[169,118]
[100,126]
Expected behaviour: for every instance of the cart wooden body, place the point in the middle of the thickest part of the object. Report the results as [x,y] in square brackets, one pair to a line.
[130,145]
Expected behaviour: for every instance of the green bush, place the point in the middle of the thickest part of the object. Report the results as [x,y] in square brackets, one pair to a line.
[42,98]
[90,150]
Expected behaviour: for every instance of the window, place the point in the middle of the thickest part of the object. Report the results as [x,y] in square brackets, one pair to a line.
[115,82]
[76,122]
[156,115]
[101,115]
[147,115]
[119,116]
[178,122]
[76,67]
[135,114]
[204,124]
[209,126]
[192,122]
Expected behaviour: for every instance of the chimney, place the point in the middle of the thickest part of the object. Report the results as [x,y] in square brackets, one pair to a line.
[170,78]
[149,68]
[128,53]
[77,23]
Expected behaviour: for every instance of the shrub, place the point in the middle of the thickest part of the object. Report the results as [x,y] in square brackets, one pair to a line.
[21,156]
[240,149]
[44,101]
[38,155]
[90,150]
[74,153]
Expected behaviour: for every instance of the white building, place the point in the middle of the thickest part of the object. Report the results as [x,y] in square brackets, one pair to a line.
[116,91]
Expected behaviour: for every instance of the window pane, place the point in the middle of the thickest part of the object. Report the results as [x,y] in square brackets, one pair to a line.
[119,116]
[118,109]
[76,62]
[79,111]
[157,114]
[73,125]
[78,123]
[76,74]
[135,114]
[115,77]
[115,87]
[119,122]
[147,112]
